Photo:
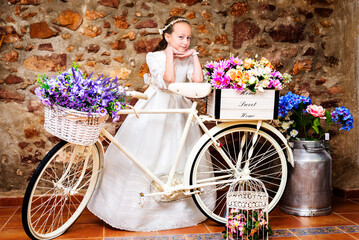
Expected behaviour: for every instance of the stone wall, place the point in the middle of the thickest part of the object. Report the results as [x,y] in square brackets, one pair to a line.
[315,40]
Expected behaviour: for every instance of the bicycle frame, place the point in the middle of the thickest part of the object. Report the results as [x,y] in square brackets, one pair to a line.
[166,187]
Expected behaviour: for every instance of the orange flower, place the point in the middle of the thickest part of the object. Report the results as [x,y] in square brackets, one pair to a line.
[248,63]
[244,79]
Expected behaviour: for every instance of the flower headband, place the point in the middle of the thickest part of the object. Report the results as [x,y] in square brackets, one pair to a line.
[171,24]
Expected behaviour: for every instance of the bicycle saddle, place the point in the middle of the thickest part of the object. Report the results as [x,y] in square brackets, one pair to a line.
[191,90]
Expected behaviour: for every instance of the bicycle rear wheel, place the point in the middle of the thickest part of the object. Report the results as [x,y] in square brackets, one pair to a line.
[60,189]
[267,163]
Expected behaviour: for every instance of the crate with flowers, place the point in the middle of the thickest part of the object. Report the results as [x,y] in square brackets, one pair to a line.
[77,106]
[244,89]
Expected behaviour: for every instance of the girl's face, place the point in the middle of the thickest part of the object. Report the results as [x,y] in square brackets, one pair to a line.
[180,38]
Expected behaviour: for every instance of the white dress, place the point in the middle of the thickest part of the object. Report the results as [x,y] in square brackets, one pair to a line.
[153,139]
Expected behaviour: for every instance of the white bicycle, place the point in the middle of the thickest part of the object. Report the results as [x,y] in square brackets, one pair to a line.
[65,179]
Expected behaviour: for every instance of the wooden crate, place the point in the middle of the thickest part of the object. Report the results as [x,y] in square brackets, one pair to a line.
[231,104]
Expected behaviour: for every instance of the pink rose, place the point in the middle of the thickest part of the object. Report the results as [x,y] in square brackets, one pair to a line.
[316,111]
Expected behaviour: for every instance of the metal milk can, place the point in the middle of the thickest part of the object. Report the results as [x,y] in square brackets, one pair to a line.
[309,186]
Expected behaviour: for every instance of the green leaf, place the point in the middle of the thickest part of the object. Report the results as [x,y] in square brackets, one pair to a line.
[328,117]
[316,124]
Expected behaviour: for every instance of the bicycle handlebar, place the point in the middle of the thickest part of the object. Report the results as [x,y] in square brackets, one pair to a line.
[138,95]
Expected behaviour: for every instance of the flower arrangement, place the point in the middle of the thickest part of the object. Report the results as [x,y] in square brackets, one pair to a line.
[250,225]
[299,118]
[251,74]
[72,89]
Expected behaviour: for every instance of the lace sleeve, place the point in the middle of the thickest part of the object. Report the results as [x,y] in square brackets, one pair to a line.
[156,65]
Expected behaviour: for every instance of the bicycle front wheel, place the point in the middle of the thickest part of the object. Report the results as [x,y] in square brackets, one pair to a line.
[263,155]
[60,189]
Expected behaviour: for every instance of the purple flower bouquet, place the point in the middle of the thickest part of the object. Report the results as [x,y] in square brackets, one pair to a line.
[76,106]
[73,90]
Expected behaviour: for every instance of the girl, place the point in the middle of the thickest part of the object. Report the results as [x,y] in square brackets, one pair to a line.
[153,139]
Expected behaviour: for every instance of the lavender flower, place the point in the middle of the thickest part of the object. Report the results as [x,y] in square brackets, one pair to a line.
[72,89]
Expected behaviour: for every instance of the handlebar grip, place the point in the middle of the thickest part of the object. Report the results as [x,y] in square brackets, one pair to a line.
[136,94]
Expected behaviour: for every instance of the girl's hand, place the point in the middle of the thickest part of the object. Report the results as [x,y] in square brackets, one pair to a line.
[183,55]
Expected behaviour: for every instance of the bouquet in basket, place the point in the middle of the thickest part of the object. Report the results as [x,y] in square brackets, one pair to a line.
[299,118]
[249,225]
[249,74]
[73,90]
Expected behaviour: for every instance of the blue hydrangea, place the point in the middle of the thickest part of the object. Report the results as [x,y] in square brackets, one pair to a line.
[342,115]
[291,101]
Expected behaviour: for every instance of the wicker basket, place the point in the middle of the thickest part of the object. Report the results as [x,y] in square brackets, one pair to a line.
[73,126]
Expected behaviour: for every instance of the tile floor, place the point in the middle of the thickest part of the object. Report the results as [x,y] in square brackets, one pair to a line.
[342,224]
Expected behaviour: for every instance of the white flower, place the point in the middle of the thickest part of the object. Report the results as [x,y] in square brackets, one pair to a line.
[252,80]
[286,125]
[293,133]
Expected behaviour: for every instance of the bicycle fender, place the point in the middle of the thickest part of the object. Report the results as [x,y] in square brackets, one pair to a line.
[205,138]
[102,161]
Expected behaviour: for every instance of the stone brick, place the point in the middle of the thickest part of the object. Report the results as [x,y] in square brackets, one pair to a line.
[69,19]
[206,15]
[221,39]
[17,10]
[66,36]
[145,6]
[9,19]
[12,79]
[106,24]
[40,144]
[110,33]
[29,48]
[332,61]
[121,73]
[302,65]
[109,3]
[326,23]
[46,47]
[335,90]
[29,2]
[189,2]
[202,29]
[105,61]
[269,7]
[202,51]
[322,2]
[243,31]
[91,31]
[50,63]
[205,40]
[121,22]
[106,54]
[287,33]
[41,30]
[145,46]
[23,145]
[191,15]
[145,32]
[323,12]
[149,23]
[9,96]
[117,45]
[118,59]
[320,81]
[10,57]
[29,15]
[54,139]
[12,2]
[262,43]
[177,12]
[79,57]
[93,48]
[93,15]
[239,9]
[163,1]
[143,70]
[330,103]
[310,52]
[130,35]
